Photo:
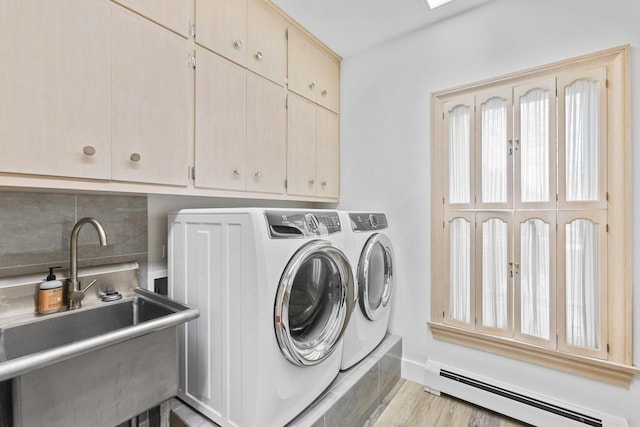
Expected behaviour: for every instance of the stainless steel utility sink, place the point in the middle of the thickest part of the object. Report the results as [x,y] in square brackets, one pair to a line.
[94,366]
[69,327]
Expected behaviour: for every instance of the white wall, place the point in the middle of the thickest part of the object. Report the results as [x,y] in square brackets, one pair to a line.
[385,156]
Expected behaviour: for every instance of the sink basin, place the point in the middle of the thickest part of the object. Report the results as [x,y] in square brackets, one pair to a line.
[96,366]
[50,332]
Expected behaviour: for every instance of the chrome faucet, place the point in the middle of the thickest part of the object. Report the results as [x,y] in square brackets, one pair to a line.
[76,293]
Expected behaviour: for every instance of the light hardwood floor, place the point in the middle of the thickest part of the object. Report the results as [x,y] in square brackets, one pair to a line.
[409,405]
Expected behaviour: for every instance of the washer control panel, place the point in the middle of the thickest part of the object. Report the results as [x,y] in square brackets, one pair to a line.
[368,221]
[291,224]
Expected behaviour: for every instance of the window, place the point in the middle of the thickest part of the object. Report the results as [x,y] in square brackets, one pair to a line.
[530,199]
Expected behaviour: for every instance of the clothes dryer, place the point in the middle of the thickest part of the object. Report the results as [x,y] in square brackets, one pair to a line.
[370,252]
[275,292]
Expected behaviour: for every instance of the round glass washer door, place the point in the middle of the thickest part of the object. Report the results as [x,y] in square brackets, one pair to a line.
[314,302]
[375,276]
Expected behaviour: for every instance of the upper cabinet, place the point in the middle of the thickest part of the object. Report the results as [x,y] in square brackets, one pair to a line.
[55,114]
[167,96]
[328,74]
[267,47]
[313,73]
[152,102]
[221,26]
[240,128]
[327,154]
[247,32]
[313,150]
[177,15]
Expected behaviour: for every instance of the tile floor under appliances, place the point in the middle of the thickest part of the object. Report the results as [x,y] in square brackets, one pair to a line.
[350,400]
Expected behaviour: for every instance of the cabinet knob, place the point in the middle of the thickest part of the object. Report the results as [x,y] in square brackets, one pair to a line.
[312,85]
[236,171]
[88,150]
[323,183]
[259,56]
[238,44]
[312,181]
[258,174]
[135,157]
[324,92]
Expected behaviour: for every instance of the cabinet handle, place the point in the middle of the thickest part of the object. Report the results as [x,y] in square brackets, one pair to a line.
[135,157]
[259,56]
[258,174]
[88,150]
[236,171]
[324,92]
[312,85]
[238,44]
[312,181]
[323,183]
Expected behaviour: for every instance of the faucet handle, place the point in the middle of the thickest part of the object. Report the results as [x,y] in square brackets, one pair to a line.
[89,285]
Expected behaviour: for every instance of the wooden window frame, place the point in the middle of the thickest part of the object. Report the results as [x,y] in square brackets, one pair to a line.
[617,365]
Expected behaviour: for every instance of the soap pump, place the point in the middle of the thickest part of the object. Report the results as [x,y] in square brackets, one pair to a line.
[50,294]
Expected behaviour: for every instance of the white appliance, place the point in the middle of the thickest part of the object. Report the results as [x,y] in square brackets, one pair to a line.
[275,292]
[371,255]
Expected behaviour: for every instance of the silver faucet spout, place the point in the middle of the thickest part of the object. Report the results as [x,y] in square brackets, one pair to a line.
[73,280]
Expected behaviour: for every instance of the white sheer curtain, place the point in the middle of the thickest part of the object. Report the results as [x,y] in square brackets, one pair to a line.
[581,139]
[534,146]
[494,155]
[534,278]
[494,273]
[460,270]
[581,275]
[459,155]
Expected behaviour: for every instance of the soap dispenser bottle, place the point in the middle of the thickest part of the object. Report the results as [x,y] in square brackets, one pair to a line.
[50,294]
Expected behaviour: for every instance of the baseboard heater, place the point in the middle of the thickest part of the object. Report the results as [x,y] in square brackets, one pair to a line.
[512,401]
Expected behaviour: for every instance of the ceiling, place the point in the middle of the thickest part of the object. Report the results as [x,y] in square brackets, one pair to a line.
[351,26]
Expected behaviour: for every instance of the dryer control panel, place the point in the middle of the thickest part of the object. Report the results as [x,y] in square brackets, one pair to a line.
[368,221]
[291,224]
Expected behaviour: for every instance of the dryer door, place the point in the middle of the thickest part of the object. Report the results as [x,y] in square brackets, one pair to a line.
[314,302]
[375,276]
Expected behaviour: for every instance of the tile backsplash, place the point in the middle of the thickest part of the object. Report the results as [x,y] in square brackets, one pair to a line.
[35,228]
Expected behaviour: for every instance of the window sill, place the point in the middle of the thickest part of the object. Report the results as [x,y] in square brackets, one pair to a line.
[601,370]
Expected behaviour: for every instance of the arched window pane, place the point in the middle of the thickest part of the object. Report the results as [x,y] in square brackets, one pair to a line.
[459,155]
[494,149]
[581,140]
[534,146]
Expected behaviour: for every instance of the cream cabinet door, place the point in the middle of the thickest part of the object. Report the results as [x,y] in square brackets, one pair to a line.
[176,15]
[152,102]
[328,78]
[266,136]
[267,48]
[55,86]
[302,65]
[221,26]
[301,147]
[327,154]
[221,110]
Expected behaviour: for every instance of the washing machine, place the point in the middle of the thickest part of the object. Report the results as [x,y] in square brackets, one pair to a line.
[370,253]
[275,292]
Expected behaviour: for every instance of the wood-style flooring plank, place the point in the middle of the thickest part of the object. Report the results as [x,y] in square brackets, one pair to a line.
[412,406]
